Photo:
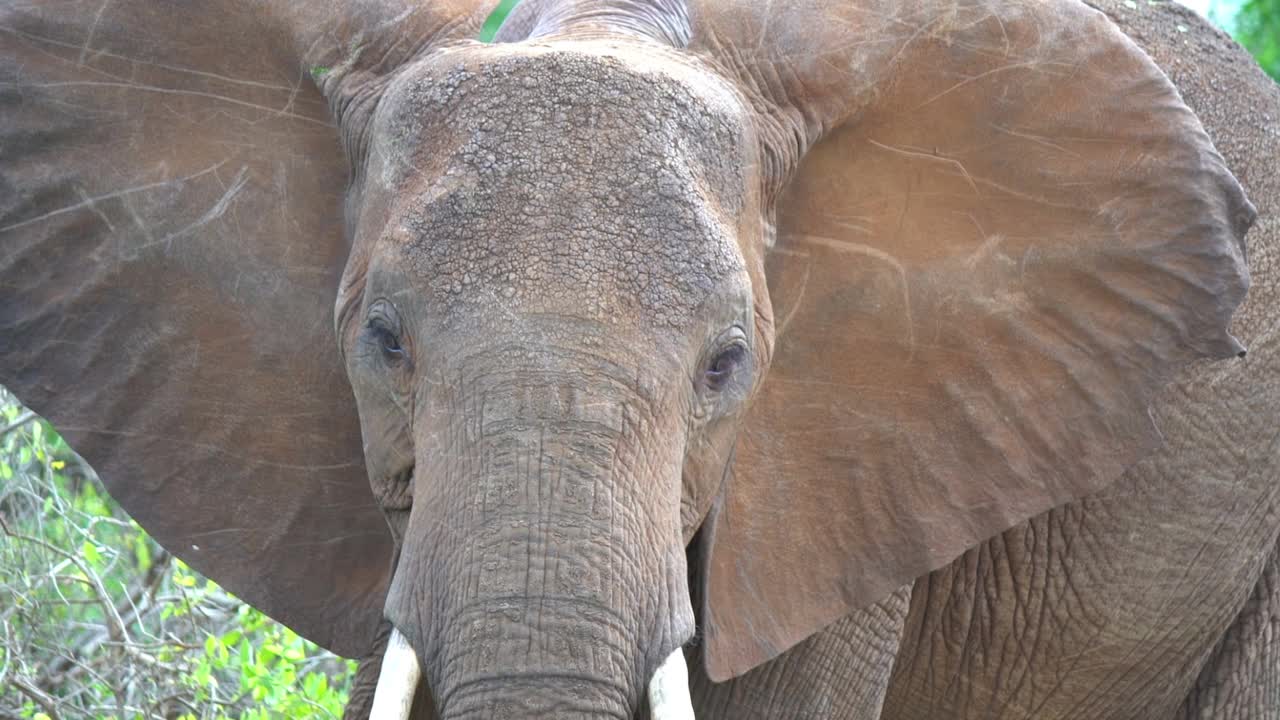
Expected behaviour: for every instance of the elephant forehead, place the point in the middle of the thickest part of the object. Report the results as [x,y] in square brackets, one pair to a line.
[566,181]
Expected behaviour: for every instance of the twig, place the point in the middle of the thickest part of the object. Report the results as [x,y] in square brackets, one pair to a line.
[108,607]
[8,643]
[26,417]
[41,698]
[162,703]
[65,668]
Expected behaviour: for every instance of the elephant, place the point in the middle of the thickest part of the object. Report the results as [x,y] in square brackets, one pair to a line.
[674,358]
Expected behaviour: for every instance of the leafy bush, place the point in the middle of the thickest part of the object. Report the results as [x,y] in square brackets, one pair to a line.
[99,621]
[1257,27]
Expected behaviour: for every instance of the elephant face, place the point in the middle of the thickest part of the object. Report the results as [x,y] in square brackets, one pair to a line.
[369,321]
[549,314]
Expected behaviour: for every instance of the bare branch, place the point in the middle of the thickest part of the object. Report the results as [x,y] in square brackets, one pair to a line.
[46,702]
[25,417]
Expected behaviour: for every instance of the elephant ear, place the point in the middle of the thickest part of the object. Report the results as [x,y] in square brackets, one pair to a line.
[1012,235]
[171,241]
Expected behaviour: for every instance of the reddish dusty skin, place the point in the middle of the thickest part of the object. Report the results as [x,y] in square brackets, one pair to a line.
[365,320]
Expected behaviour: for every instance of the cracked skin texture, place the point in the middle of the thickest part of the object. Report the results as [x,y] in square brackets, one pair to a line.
[500,209]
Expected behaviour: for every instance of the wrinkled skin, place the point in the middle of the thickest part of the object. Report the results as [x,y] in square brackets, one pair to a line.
[1045,621]
[668,320]
[548,450]
[1156,598]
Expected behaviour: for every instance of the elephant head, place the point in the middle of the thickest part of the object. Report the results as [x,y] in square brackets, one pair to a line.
[526,346]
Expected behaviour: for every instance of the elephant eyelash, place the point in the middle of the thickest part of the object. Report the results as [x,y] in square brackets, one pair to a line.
[724,366]
[381,333]
[384,343]
[388,342]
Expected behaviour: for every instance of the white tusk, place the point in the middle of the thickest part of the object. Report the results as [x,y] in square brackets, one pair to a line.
[669,690]
[397,682]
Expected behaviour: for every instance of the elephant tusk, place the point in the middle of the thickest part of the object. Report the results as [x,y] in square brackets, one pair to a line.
[669,690]
[397,681]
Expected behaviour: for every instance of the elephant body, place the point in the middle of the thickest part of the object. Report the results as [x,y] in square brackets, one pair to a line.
[1159,596]
[875,358]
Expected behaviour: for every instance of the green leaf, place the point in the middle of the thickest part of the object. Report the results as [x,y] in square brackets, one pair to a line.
[142,553]
[494,22]
[245,653]
[314,685]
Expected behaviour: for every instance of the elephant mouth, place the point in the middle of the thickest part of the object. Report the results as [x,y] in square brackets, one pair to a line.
[397,490]
[395,496]
[401,673]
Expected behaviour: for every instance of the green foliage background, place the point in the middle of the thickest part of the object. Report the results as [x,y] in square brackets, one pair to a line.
[98,621]
[1257,27]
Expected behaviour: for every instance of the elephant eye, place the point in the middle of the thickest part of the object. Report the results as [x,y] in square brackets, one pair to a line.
[382,333]
[388,342]
[722,366]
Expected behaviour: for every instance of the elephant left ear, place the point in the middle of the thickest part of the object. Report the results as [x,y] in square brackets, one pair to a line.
[172,182]
[1009,233]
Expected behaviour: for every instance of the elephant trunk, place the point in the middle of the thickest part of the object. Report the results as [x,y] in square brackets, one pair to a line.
[543,570]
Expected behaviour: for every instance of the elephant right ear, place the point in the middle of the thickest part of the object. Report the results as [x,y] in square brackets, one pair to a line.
[1008,235]
[171,241]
